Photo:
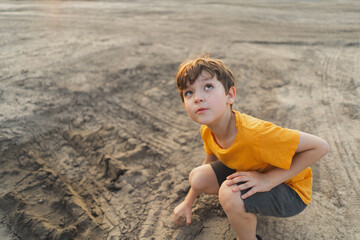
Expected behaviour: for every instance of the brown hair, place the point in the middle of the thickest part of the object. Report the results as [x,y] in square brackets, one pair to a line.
[189,71]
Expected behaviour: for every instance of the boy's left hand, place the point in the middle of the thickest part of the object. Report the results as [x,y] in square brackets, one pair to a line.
[258,182]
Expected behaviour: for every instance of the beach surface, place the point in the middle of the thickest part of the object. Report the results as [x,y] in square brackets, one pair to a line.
[95,142]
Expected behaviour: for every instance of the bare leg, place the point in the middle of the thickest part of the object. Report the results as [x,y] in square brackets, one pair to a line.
[203,180]
[242,222]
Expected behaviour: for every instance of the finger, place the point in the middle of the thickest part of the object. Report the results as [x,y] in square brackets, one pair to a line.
[243,186]
[236,189]
[188,219]
[234,175]
[251,192]
[177,217]
[238,180]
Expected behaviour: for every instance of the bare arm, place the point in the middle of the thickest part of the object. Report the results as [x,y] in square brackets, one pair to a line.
[310,149]
[183,210]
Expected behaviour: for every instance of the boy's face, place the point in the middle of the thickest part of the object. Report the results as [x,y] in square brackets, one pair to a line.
[206,100]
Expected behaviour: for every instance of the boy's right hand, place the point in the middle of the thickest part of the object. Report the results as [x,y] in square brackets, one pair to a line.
[182,212]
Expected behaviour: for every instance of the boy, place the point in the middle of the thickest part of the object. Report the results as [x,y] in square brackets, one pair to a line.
[254,166]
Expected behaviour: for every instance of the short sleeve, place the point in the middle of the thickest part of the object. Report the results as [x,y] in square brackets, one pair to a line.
[277,146]
[205,134]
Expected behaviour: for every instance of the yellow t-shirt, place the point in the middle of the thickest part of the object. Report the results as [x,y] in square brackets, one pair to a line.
[261,146]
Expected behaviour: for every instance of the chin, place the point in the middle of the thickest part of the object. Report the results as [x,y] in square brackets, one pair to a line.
[203,121]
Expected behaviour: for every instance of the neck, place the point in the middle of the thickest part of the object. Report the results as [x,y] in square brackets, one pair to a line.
[224,131]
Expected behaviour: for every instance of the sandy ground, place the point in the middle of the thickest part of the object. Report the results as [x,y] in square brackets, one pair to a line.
[94,140]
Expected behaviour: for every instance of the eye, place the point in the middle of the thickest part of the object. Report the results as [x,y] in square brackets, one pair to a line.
[208,87]
[188,93]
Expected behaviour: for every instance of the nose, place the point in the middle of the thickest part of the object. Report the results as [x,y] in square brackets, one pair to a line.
[198,97]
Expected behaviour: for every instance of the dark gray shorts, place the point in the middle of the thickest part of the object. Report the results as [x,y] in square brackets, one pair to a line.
[281,201]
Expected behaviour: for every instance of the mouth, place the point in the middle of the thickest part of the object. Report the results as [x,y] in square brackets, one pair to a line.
[201,110]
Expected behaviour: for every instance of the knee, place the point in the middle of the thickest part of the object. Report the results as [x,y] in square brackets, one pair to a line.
[197,179]
[230,200]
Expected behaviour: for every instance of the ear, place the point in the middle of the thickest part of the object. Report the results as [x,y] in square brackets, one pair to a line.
[231,95]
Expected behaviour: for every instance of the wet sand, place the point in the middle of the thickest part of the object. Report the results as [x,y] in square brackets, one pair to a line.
[94,140]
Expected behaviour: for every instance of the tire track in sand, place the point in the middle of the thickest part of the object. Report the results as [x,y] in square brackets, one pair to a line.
[342,165]
[343,147]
